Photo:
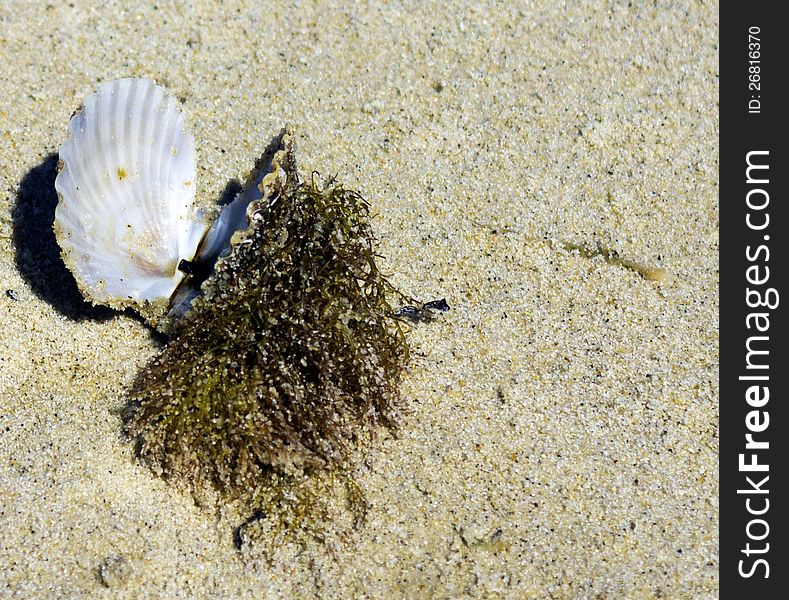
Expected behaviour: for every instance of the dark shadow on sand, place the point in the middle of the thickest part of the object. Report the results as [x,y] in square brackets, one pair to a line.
[37,251]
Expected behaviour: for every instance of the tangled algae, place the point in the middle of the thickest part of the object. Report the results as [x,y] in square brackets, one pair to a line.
[292,352]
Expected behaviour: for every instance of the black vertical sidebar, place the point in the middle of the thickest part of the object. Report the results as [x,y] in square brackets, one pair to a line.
[754,266]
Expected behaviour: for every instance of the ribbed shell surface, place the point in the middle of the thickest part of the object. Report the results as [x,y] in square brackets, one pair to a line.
[126,187]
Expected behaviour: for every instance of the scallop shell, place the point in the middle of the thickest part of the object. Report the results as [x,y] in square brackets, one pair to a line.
[126,185]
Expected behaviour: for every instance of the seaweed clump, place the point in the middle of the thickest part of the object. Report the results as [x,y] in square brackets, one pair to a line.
[292,352]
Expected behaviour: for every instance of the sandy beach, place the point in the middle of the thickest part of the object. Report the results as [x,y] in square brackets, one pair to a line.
[550,169]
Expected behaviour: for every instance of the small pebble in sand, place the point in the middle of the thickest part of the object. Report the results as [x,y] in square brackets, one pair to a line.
[114,571]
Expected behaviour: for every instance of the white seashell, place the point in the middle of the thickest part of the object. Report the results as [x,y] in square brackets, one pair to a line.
[126,185]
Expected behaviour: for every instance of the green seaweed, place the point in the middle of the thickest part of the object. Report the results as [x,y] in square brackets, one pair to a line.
[291,357]
[612,258]
[314,505]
